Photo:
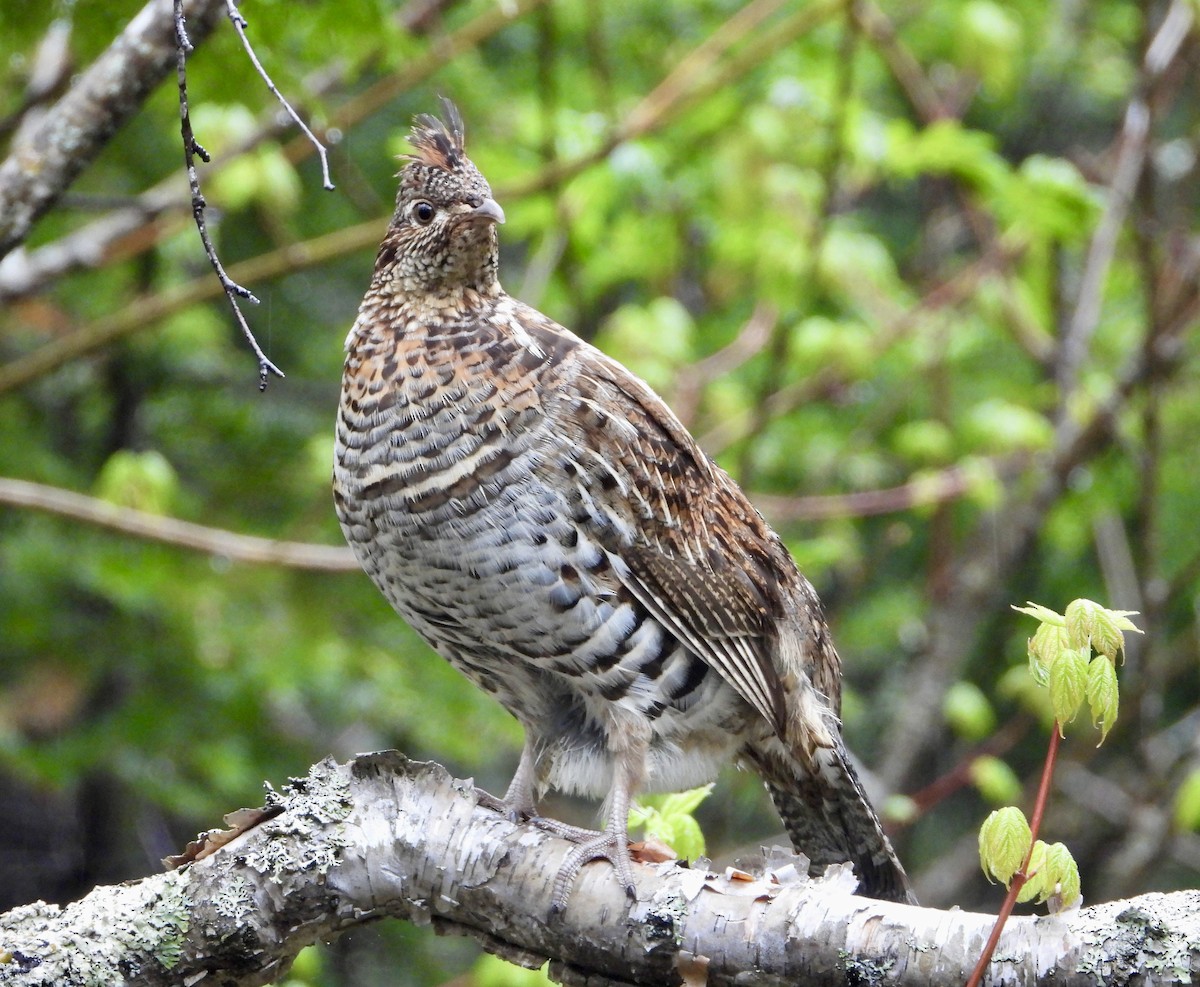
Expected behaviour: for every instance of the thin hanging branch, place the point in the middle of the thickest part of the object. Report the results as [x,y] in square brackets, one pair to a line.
[191,149]
[239,25]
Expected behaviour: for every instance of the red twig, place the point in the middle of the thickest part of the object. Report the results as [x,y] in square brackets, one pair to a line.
[1021,876]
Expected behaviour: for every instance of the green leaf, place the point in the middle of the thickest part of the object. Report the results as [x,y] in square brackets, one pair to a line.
[145,481]
[684,836]
[1044,614]
[946,147]
[1035,885]
[899,809]
[1068,684]
[655,337]
[996,781]
[1004,840]
[999,426]
[1045,646]
[1102,693]
[1061,874]
[669,818]
[1123,622]
[1107,636]
[1016,683]
[968,711]
[1187,803]
[1081,622]
[925,441]
[684,803]
[989,42]
[1051,199]
[492,971]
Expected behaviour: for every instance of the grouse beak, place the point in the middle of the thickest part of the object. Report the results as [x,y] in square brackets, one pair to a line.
[489,210]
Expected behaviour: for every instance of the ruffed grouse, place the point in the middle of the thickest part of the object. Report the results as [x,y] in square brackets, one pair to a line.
[545,522]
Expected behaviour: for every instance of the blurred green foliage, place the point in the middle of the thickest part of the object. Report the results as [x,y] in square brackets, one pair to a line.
[911,210]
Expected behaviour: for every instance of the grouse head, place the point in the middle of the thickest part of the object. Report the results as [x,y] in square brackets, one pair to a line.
[442,238]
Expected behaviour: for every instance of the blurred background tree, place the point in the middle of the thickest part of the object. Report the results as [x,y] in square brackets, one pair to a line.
[923,278]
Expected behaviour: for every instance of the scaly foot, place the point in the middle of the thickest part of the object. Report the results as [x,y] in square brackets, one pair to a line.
[510,809]
[590,845]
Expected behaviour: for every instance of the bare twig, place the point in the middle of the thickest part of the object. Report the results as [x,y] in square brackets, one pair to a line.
[191,150]
[144,312]
[905,69]
[658,108]
[698,74]
[494,18]
[239,25]
[937,488]
[1132,148]
[954,291]
[692,379]
[171,531]
[132,230]
[961,775]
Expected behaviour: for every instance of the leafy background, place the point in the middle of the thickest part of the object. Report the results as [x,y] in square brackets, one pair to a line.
[915,276]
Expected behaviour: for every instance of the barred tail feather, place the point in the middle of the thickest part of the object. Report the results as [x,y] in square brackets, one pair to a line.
[829,819]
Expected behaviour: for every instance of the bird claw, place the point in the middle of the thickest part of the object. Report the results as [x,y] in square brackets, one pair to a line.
[509,809]
[590,845]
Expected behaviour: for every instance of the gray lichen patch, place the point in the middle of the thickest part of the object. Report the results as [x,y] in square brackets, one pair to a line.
[235,899]
[113,935]
[324,794]
[1142,943]
[664,917]
[314,809]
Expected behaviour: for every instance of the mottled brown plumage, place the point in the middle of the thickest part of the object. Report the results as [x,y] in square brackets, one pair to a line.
[541,517]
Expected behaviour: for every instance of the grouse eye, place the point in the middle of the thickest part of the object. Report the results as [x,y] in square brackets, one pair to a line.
[423,212]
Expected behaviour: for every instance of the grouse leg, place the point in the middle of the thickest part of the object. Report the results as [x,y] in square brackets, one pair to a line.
[519,803]
[613,843]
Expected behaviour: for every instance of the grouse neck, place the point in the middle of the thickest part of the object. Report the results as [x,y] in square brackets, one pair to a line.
[449,303]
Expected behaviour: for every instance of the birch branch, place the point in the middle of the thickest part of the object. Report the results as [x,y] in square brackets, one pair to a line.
[382,836]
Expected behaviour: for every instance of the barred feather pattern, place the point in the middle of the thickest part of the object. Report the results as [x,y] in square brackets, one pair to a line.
[542,519]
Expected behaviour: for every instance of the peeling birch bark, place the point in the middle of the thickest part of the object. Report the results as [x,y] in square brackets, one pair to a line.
[382,836]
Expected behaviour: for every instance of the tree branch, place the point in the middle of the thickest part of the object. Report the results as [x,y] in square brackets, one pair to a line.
[145,311]
[928,489]
[79,125]
[384,836]
[1133,146]
[172,531]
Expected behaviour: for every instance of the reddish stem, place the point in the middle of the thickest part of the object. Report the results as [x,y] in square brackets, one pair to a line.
[1021,876]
